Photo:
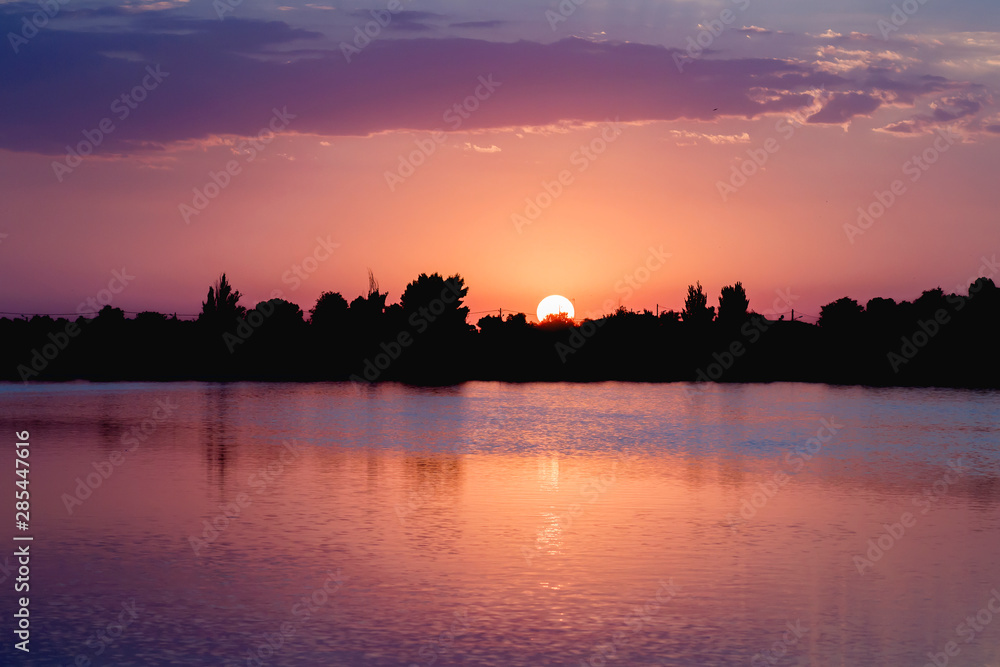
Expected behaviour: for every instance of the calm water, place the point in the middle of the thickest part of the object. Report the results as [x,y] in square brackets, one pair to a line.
[491,524]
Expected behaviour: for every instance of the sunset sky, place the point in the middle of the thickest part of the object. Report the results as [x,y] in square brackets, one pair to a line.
[636,116]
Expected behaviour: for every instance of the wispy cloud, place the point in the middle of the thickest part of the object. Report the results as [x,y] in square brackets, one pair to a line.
[687,138]
[481,149]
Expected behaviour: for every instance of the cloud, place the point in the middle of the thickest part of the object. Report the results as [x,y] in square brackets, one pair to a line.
[829,34]
[482,149]
[717,139]
[226,77]
[479,24]
[838,60]
[946,111]
[902,127]
[406,20]
[952,108]
[844,106]
[153,6]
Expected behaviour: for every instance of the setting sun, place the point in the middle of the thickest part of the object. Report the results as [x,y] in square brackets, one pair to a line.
[554,305]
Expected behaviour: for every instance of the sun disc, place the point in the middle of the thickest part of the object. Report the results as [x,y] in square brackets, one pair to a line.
[553,305]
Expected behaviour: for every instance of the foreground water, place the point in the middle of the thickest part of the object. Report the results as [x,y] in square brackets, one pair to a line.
[492,524]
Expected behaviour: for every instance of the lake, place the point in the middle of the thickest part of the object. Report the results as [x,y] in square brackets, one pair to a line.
[500,524]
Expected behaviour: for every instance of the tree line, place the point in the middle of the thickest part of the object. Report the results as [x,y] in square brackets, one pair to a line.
[944,339]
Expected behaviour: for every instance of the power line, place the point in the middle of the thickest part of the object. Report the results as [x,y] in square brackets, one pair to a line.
[129,312]
[496,310]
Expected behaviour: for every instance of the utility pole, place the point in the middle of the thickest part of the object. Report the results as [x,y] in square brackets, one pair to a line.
[793,314]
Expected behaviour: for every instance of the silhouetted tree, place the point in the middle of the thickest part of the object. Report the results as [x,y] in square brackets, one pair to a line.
[696,309]
[880,308]
[517,320]
[490,324]
[221,307]
[984,312]
[365,316]
[280,314]
[843,314]
[431,311]
[434,302]
[733,305]
[150,318]
[982,286]
[273,334]
[493,323]
[330,311]
[930,301]
[110,316]
[370,307]
[329,322]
